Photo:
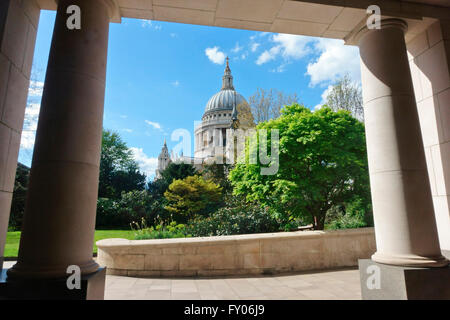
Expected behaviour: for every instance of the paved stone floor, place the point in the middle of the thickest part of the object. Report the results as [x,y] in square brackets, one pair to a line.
[330,285]
[339,284]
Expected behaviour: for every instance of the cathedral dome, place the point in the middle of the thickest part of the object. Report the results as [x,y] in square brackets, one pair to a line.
[227,98]
[224,100]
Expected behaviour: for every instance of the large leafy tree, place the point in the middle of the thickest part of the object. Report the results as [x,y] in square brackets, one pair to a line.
[322,163]
[192,196]
[118,170]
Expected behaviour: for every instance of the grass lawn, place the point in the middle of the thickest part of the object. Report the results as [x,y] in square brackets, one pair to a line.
[13,239]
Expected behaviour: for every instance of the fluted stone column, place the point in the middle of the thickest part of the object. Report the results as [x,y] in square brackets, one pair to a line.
[59,222]
[405,227]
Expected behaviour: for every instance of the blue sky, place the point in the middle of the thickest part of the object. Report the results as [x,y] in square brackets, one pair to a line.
[160,76]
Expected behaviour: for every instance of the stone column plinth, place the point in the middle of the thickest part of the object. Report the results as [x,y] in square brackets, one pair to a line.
[405,227]
[59,221]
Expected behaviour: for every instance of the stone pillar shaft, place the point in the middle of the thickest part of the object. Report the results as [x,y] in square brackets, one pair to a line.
[59,221]
[405,227]
[18,28]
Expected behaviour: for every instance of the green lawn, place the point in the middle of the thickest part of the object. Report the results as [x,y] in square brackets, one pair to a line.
[13,238]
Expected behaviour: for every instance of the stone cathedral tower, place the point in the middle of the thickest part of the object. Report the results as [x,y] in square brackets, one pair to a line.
[163,160]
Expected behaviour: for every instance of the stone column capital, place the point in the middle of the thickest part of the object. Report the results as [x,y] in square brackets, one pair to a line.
[360,33]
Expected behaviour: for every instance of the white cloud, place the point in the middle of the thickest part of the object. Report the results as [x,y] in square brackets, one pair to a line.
[236,48]
[173,35]
[288,46]
[149,24]
[292,46]
[127,130]
[268,55]
[155,125]
[31,115]
[280,68]
[146,23]
[148,165]
[176,83]
[27,140]
[215,55]
[254,46]
[324,97]
[30,126]
[36,88]
[335,60]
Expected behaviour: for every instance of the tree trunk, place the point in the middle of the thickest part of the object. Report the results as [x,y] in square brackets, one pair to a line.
[319,222]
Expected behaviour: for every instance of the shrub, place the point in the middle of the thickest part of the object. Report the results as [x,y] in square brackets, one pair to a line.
[238,217]
[108,216]
[347,221]
[356,214]
[173,230]
[132,206]
[192,196]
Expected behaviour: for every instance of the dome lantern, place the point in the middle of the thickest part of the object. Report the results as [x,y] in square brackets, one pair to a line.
[227,79]
[227,98]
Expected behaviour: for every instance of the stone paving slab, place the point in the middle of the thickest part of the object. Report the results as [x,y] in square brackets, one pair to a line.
[340,284]
[327,285]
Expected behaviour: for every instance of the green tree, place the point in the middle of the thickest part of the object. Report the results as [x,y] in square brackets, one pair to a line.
[19,197]
[192,196]
[218,173]
[156,189]
[119,172]
[177,171]
[322,163]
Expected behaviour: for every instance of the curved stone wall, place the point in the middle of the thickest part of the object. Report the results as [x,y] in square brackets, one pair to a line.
[266,253]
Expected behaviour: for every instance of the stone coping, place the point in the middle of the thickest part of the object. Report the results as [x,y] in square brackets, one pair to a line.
[250,254]
[119,242]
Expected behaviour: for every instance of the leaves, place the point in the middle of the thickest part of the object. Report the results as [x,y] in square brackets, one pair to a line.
[192,196]
[322,163]
[118,170]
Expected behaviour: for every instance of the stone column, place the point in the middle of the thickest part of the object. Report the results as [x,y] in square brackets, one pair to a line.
[59,220]
[405,227]
[18,28]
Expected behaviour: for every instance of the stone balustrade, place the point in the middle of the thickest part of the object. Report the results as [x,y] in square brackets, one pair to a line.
[267,253]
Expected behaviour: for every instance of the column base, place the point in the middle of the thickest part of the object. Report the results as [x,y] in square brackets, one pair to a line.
[92,287]
[29,271]
[410,260]
[387,282]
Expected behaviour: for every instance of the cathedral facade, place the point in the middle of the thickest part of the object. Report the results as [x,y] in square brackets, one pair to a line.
[225,112]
